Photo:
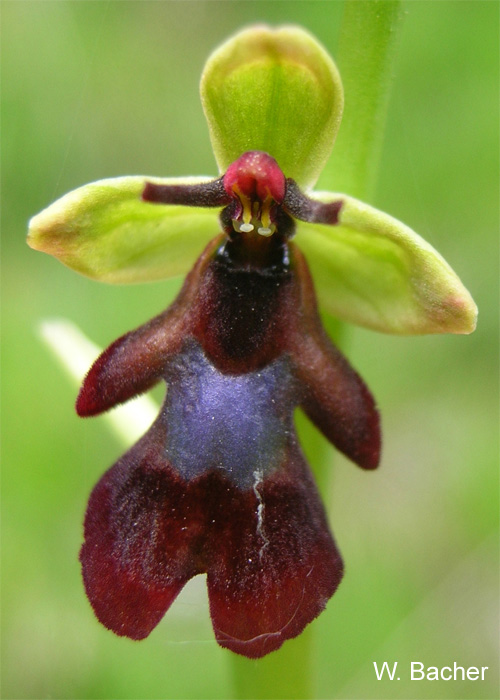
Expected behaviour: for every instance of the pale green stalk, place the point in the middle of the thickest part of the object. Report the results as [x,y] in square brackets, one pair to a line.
[365,57]
[368,40]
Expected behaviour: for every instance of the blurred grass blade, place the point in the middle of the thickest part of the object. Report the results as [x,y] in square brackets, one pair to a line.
[76,353]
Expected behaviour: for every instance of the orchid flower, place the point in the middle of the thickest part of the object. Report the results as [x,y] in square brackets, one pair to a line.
[218,484]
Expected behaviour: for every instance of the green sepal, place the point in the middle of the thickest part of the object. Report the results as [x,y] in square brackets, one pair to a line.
[276,91]
[105,231]
[374,271]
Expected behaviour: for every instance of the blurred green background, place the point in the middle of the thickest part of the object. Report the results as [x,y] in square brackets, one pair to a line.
[100,89]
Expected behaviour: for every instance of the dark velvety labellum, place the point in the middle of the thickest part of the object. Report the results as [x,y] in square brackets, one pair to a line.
[270,560]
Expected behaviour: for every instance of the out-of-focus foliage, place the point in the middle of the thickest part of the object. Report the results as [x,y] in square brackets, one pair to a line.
[94,90]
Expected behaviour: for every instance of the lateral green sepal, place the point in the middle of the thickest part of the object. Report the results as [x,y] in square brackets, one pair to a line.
[105,231]
[374,271]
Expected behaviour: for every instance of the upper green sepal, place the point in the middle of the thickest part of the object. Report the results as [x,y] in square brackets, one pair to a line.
[105,231]
[374,271]
[273,90]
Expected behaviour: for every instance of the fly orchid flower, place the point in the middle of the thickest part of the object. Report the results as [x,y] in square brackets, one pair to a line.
[219,485]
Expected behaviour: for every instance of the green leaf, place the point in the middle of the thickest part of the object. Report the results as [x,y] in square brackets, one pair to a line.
[276,91]
[105,231]
[374,271]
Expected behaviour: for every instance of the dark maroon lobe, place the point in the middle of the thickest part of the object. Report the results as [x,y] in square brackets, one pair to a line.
[278,567]
[130,366]
[271,562]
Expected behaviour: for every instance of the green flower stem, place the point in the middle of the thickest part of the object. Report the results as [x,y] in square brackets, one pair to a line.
[283,675]
[367,48]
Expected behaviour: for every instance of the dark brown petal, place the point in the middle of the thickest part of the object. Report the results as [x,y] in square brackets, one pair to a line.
[302,207]
[204,194]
